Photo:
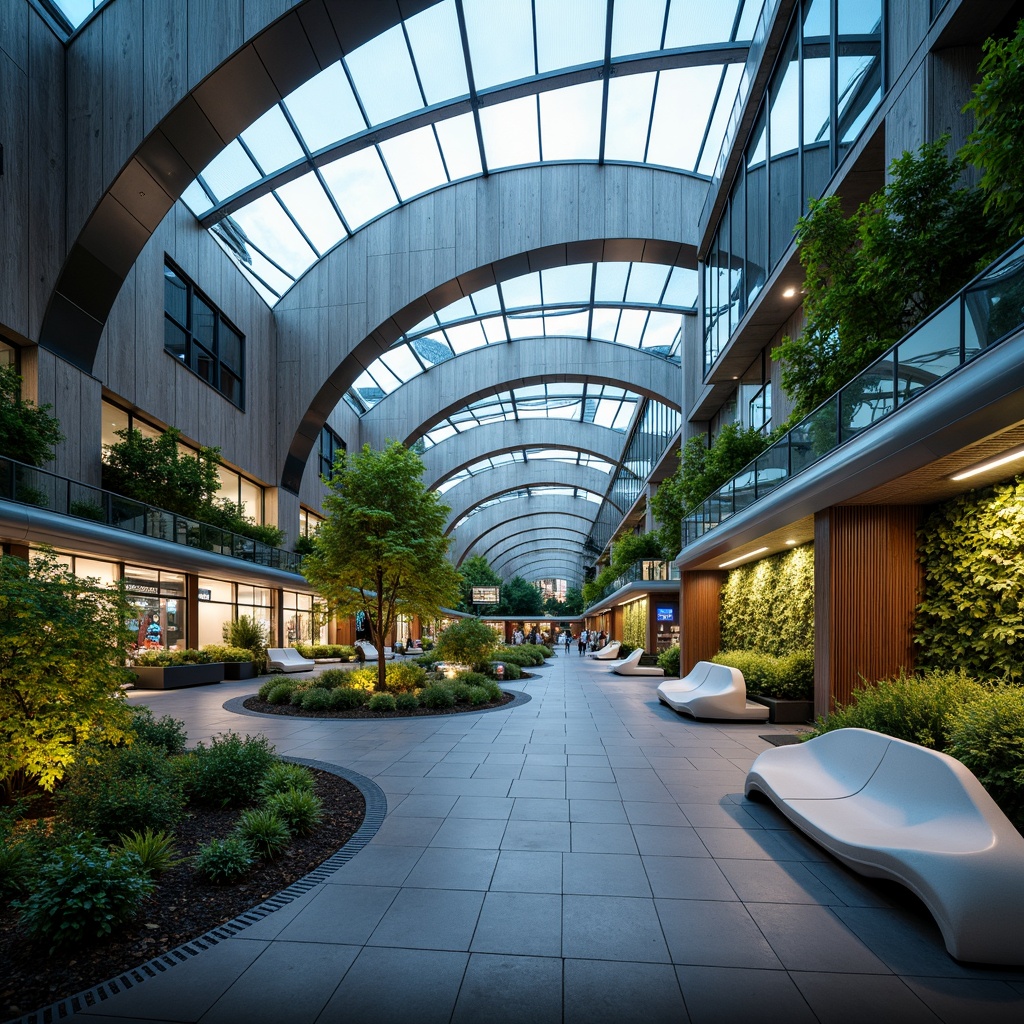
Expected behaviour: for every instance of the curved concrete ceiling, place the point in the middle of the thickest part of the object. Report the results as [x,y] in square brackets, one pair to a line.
[544,565]
[520,535]
[572,551]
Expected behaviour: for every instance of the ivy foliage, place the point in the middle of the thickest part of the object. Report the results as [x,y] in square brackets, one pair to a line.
[63,646]
[972,615]
[628,549]
[768,606]
[28,432]
[634,624]
[874,275]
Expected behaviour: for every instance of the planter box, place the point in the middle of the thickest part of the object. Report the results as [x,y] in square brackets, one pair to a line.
[786,712]
[173,677]
[239,669]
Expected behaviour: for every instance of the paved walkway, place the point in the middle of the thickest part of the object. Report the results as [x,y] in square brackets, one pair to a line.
[588,856]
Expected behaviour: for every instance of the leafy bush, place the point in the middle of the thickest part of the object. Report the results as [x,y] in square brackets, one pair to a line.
[230,771]
[625,650]
[407,701]
[427,661]
[299,809]
[82,892]
[343,651]
[361,679]
[17,868]
[221,652]
[493,690]
[316,699]
[788,678]
[987,735]
[919,708]
[405,676]
[224,861]
[165,659]
[382,702]
[332,678]
[467,642]
[264,831]
[115,790]
[28,433]
[669,660]
[477,695]
[166,733]
[548,652]
[511,670]
[471,678]
[249,633]
[155,850]
[282,776]
[266,686]
[299,690]
[346,698]
[437,697]
[280,693]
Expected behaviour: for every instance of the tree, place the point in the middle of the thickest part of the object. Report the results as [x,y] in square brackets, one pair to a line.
[996,146]
[467,642]
[28,432]
[382,549]
[477,572]
[518,597]
[63,645]
[873,276]
[573,603]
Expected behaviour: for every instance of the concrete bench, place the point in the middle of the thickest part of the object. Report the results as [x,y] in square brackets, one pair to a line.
[370,652]
[892,809]
[630,666]
[712,691]
[287,659]
[608,652]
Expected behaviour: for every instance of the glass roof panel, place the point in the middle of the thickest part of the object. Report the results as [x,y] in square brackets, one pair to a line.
[689,89]
[692,22]
[196,199]
[324,108]
[437,50]
[495,329]
[637,27]
[385,96]
[522,292]
[611,282]
[511,133]
[486,300]
[230,171]
[720,119]
[682,288]
[520,327]
[646,282]
[662,332]
[466,337]
[629,117]
[567,284]
[307,201]
[360,186]
[432,350]
[460,146]
[570,122]
[414,161]
[569,32]
[567,325]
[401,362]
[605,324]
[631,327]
[748,19]
[500,40]
[267,225]
[271,141]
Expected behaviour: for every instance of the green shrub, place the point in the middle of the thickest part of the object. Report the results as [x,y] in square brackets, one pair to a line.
[299,690]
[403,677]
[512,670]
[919,708]
[407,701]
[265,831]
[249,633]
[382,702]
[987,735]
[82,892]
[548,652]
[165,659]
[625,650]
[166,733]
[155,850]
[299,809]
[467,642]
[362,679]
[282,776]
[477,695]
[343,651]
[280,693]
[116,790]
[437,696]
[788,677]
[220,652]
[669,661]
[230,771]
[316,699]
[345,698]
[494,691]
[332,678]
[520,656]
[224,861]
[20,853]
[471,678]
[427,661]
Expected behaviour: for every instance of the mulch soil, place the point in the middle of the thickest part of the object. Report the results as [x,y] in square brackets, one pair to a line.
[364,713]
[181,909]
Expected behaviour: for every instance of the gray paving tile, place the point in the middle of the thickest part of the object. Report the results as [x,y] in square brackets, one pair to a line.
[422,806]
[597,810]
[587,932]
[407,831]
[647,812]
[604,992]
[715,995]
[772,881]
[536,809]
[589,774]
[482,807]
[536,835]
[496,771]
[448,868]
[593,791]
[604,874]
[520,923]
[856,998]
[528,871]
[668,841]
[377,865]
[602,837]
[714,934]
[510,990]
[720,816]
[757,844]
[968,1000]
[852,889]
[545,790]
[430,919]
[687,878]
[346,913]
[476,833]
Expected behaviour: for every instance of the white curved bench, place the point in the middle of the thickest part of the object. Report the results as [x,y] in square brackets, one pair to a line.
[608,652]
[287,659]
[712,691]
[630,666]
[370,652]
[892,809]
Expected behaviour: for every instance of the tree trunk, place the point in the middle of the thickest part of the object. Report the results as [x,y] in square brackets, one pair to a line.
[379,629]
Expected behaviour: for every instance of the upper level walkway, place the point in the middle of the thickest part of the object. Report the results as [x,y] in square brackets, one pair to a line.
[587,856]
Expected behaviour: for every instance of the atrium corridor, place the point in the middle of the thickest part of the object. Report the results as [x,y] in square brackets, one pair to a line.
[586,856]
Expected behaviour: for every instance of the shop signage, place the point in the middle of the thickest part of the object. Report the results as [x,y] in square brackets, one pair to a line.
[486,595]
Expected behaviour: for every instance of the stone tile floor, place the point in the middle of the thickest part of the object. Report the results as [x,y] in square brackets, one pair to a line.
[588,856]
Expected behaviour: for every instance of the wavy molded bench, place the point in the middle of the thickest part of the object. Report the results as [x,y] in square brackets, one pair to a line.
[892,809]
[712,691]
[630,666]
[370,652]
[287,659]
[608,652]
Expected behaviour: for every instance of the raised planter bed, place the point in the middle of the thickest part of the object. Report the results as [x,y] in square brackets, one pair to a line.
[239,670]
[174,677]
[786,712]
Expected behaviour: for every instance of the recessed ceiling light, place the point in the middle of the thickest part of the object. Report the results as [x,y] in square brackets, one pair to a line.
[790,541]
[789,293]
[741,558]
[1000,460]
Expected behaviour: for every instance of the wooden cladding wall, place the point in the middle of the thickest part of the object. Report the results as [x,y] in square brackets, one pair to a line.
[700,603]
[867,583]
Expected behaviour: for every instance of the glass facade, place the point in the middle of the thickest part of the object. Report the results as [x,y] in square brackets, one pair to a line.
[825,85]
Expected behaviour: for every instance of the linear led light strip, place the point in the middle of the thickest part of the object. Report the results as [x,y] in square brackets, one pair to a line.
[981,467]
[741,558]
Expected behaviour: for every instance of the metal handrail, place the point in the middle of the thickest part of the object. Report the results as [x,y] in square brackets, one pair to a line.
[647,569]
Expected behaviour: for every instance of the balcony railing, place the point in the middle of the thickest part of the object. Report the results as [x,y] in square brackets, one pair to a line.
[31,486]
[976,318]
[645,569]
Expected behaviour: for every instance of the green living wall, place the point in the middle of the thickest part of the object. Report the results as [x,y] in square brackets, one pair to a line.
[634,623]
[972,615]
[768,606]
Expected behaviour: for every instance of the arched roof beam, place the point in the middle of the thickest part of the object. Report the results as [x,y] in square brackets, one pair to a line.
[501,545]
[571,546]
[544,565]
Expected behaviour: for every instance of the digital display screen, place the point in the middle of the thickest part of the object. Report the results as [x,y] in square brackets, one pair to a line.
[666,614]
[486,595]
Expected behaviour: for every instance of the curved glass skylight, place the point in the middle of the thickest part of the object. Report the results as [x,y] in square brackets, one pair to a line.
[523,456]
[546,491]
[639,305]
[603,404]
[464,88]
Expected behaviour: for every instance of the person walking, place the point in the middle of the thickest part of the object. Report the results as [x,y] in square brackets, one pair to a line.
[582,644]
[566,637]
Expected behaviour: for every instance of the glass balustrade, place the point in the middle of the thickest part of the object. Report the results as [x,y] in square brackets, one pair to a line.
[647,569]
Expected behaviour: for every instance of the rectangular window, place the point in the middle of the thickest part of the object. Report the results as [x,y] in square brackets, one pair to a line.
[199,336]
[330,445]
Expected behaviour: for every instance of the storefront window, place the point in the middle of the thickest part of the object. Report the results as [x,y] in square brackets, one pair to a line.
[158,601]
[305,618]
[216,609]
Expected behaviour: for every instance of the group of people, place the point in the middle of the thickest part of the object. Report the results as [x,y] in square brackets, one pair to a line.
[533,637]
[585,639]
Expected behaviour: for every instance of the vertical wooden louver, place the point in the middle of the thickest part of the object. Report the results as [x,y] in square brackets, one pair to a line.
[700,604]
[867,584]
